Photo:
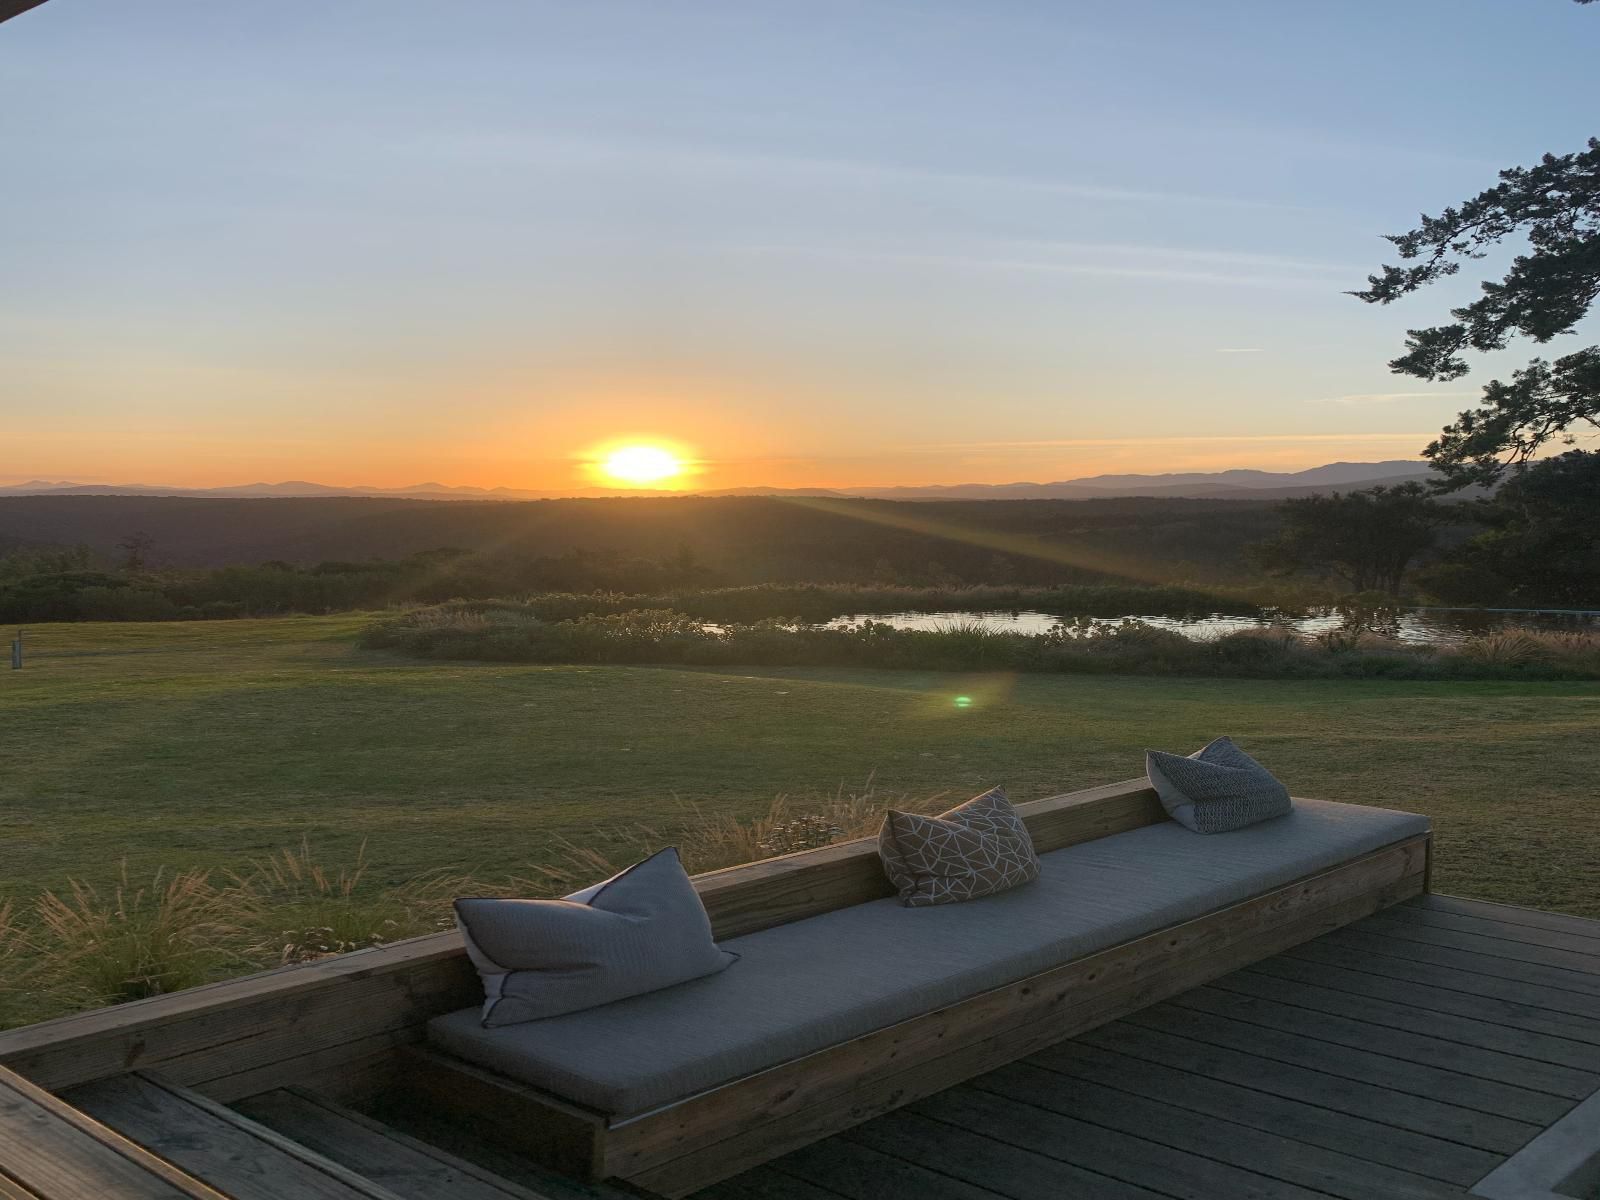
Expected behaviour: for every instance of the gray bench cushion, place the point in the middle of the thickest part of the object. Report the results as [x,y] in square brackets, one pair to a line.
[811,984]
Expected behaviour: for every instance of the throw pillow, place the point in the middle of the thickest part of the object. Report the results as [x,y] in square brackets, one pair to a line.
[976,849]
[638,931]
[1217,788]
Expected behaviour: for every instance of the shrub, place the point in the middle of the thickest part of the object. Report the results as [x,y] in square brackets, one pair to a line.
[136,942]
[310,910]
[125,604]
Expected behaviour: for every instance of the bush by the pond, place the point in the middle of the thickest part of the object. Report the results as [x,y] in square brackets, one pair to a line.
[513,632]
[825,601]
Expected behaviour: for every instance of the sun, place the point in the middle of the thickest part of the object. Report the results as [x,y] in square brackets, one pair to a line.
[641,464]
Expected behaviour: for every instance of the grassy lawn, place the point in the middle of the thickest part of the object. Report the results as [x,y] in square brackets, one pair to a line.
[207,744]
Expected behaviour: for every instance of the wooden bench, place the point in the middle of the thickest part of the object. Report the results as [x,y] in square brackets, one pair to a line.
[689,1144]
[349,1026]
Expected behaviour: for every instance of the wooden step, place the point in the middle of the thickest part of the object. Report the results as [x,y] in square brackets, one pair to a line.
[411,1169]
[235,1155]
[52,1151]
[412,1163]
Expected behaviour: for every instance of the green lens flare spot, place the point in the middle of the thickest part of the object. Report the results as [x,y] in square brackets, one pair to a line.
[963,701]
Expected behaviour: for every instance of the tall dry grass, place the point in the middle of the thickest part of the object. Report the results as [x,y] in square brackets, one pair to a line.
[308,909]
[1525,647]
[712,841]
[134,941]
[83,947]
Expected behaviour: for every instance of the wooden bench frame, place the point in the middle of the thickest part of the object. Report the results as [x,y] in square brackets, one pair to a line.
[350,1025]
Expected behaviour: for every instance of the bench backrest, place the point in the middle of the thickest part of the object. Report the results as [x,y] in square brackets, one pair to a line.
[323,1024]
[776,891]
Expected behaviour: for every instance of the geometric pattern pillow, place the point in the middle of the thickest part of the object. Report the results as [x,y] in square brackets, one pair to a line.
[976,849]
[1217,788]
[638,931]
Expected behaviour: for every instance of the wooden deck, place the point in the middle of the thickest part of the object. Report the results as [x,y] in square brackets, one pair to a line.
[1406,1055]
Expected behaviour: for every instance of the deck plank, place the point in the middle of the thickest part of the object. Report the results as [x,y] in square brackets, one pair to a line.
[1410,929]
[1128,1157]
[1468,1020]
[1492,927]
[1219,1139]
[1434,1157]
[1584,1010]
[1512,914]
[765,1183]
[409,1169]
[1376,940]
[980,1160]
[52,1151]
[1555,1079]
[1395,1075]
[244,1161]
[65,1163]
[1466,1126]
[859,1172]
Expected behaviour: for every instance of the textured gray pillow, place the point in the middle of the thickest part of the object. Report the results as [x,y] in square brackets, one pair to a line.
[1217,788]
[638,931]
[976,849]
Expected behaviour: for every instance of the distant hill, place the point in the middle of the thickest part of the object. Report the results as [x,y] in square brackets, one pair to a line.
[739,539]
[1202,485]
[1237,483]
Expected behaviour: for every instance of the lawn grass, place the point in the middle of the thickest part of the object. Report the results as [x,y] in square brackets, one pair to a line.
[206,744]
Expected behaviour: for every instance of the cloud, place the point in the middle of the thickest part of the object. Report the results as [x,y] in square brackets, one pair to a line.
[1134,267]
[611,152]
[1174,440]
[1385,397]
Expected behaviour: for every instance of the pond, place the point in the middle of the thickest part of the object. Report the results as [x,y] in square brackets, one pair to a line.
[1434,626]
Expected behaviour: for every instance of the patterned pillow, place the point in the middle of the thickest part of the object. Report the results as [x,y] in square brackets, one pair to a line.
[1217,788]
[976,849]
[638,931]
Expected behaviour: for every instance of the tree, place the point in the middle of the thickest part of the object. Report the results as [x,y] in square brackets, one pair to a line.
[1367,538]
[1542,545]
[137,547]
[1544,294]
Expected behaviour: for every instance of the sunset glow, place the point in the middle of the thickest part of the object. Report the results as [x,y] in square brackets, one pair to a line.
[638,465]
[485,270]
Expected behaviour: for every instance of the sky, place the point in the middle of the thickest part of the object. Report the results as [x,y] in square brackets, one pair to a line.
[835,242]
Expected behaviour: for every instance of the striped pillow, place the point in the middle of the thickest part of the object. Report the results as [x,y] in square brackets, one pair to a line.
[1217,788]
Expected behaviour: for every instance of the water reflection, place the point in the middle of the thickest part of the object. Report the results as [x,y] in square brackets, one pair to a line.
[1435,626]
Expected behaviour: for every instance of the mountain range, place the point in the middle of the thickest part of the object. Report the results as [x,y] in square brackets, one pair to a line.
[1237,483]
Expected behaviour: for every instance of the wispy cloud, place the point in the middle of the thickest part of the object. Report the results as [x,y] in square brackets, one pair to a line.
[1191,254]
[611,151]
[1131,267]
[1361,398]
[1174,440]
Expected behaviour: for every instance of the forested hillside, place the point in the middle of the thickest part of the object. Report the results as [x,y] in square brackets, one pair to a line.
[733,539]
